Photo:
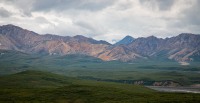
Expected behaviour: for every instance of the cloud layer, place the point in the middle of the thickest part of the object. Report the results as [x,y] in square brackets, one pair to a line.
[104,19]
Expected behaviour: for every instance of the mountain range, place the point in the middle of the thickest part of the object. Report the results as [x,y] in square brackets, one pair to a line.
[182,48]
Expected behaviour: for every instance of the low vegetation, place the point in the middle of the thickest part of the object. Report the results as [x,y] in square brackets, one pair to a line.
[83,79]
[37,87]
[87,67]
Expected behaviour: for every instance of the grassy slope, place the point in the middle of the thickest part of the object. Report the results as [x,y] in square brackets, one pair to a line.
[36,86]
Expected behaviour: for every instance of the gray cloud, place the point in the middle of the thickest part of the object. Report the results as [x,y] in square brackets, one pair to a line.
[86,26]
[23,6]
[4,13]
[192,15]
[165,4]
[62,5]
[161,4]
[104,19]
[188,19]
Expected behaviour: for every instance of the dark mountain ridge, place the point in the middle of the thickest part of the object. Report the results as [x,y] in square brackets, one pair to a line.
[126,40]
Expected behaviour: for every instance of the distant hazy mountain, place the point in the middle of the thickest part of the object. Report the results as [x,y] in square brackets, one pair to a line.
[126,40]
[181,48]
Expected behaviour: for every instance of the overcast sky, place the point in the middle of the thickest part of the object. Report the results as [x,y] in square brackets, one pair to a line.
[104,19]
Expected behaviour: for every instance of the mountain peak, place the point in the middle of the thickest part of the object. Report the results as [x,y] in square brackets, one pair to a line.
[9,26]
[128,36]
[79,36]
[152,37]
[185,34]
[14,30]
[126,40]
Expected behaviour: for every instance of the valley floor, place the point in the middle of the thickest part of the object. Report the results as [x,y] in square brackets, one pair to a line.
[28,78]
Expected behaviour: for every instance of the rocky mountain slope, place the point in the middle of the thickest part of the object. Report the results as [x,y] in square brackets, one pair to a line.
[16,38]
[179,48]
[184,47]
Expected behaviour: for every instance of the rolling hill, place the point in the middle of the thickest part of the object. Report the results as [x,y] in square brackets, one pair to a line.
[37,86]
